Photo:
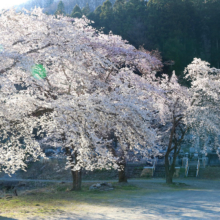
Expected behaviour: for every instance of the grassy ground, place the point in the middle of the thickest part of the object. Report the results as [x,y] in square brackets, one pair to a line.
[43,200]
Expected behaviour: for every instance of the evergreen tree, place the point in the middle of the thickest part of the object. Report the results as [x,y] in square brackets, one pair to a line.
[86,10]
[118,5]
[98,10]
[95,16]
[171,28]
[107,11]
[76,12]
[60,9]
[135,8]
[106,15]
[212,31]
[119,14]
[135,28]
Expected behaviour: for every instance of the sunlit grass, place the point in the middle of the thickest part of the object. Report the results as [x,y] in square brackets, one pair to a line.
[57,198]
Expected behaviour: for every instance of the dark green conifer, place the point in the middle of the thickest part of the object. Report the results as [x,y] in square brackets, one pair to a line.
[107,11]
[86,10]
[98,10]
[60,9]
[120,16]
[95,16]
[76,12]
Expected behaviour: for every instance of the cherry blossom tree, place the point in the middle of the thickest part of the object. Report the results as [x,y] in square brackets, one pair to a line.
[206,96]
[78,85]
[194,109]
[131,129]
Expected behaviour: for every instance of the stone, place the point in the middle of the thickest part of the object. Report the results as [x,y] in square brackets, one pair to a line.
[177,172]
[195,155]
[101,186]
[184,160]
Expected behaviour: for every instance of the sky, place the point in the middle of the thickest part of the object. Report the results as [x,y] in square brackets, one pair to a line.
[4,4]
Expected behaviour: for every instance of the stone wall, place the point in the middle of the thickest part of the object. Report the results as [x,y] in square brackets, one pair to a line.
[134,170]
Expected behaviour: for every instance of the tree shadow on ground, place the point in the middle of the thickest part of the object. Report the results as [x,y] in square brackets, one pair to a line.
[5,218]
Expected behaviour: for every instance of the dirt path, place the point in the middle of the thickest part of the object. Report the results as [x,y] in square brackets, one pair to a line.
[199,200]
[190,204]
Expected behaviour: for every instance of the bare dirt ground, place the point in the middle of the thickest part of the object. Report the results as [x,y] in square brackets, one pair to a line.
[152,199]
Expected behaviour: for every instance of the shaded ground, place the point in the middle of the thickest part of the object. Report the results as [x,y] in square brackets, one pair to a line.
[140,199]
[210,173]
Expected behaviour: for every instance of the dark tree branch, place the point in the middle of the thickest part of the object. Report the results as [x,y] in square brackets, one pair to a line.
[106,80]
[30,51]
[41,48]
[17,42]
[41,111]
[178,120]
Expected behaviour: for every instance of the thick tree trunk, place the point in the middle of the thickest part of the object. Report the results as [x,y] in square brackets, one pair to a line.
[167,168]
[122,178]
[169,175]
[76,175]
[169,179]
[77,180]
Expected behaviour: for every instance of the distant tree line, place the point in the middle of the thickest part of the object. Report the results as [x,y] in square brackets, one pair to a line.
[50,6]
